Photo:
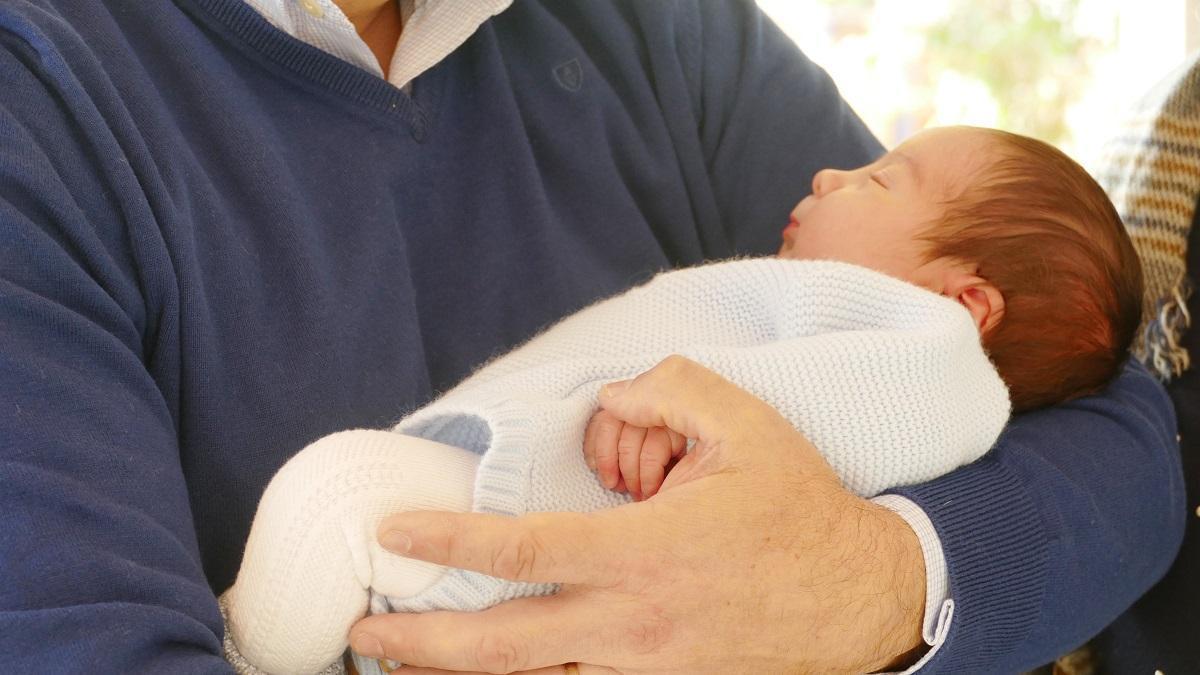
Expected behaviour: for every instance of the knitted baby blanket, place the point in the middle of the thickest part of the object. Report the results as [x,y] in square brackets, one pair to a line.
[887,379]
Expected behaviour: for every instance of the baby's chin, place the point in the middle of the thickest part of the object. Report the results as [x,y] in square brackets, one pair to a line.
[791,252]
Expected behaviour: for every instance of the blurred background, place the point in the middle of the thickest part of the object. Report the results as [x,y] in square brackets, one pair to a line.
[1059,70]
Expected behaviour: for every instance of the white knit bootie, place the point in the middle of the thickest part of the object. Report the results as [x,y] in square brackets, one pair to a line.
[312,555]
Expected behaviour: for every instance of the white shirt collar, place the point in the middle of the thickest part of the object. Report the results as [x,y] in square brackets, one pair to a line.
[432,30]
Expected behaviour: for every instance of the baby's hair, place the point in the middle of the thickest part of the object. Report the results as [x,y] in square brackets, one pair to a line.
[1046,235]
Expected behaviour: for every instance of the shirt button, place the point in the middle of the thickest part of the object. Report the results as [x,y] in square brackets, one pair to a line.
[312,8]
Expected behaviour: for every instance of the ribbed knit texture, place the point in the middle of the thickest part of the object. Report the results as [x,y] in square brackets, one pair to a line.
[1041,596]
[1010,594]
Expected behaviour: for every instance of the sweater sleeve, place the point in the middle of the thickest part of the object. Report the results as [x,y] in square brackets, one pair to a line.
[99,565]
[1075,513]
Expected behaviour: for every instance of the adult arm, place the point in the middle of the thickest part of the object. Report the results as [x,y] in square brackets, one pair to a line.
[99,565]
[753,558]
[1077,511]
[814,580]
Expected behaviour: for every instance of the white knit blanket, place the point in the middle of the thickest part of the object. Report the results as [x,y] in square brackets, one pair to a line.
[888,380]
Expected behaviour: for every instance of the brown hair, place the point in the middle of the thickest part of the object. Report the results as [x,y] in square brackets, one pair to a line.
[1046,235]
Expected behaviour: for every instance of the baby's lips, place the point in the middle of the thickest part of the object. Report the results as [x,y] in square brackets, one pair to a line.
[790,229]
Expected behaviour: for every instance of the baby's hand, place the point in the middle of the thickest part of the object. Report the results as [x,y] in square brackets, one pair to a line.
[629,458]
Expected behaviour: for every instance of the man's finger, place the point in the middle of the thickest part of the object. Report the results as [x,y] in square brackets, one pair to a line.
[518,635]
[569,548]
[581,669]
[688,398]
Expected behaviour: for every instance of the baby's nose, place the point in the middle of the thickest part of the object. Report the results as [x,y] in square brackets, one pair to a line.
[826,180]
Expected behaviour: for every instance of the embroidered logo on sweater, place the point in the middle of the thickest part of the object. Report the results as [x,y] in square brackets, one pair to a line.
[569,75]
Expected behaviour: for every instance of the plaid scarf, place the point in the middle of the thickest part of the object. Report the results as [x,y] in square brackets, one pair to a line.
[1151,171]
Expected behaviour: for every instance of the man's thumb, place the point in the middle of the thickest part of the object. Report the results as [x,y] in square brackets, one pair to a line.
[685,397]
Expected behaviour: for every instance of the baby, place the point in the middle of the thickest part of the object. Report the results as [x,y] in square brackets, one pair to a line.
[1010,227]
[871,332]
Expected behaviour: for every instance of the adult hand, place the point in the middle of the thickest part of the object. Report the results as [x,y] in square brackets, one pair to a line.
[752,558]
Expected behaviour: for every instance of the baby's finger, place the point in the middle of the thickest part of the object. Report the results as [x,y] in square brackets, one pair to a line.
[589,443]
[629,447]
[620,485]
[677,441]
[603,433]
[656,454]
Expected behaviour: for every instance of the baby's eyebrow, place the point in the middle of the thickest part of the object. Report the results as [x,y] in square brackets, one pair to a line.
[912,165]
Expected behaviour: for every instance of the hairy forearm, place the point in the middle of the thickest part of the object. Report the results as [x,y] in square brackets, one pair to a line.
[882,594]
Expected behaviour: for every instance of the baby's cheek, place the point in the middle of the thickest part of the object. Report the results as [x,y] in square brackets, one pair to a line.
[802,252]
[796,245]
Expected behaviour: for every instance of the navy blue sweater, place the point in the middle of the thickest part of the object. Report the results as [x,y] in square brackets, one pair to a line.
[218,244]
[1160,631]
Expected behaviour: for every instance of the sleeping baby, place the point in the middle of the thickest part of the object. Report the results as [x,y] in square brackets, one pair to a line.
[914,302]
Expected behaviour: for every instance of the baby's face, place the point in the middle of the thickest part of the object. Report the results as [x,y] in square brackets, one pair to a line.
[871,216]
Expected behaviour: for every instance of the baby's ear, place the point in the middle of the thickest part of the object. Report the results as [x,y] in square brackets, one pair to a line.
[981,298]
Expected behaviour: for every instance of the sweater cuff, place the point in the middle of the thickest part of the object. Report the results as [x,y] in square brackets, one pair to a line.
[995,551]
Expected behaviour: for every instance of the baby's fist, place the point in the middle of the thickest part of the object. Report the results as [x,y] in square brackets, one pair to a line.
[629,458]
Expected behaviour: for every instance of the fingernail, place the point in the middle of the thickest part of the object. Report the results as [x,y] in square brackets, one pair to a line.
[366,645]
[396,542]
[614,388]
